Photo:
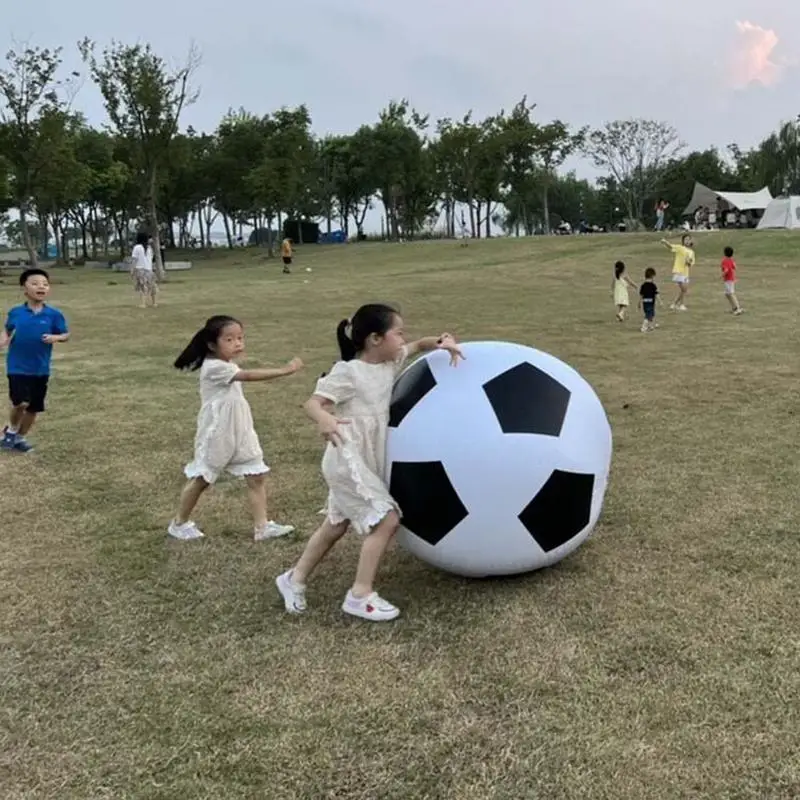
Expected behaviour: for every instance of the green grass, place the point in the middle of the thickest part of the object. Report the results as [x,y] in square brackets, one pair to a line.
[660,660]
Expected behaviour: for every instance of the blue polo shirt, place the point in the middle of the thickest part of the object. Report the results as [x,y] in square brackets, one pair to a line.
[27,353]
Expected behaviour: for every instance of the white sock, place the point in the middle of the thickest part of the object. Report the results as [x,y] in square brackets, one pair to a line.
[13,428]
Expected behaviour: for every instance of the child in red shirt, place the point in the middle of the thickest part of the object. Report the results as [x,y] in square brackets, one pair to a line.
[728,267]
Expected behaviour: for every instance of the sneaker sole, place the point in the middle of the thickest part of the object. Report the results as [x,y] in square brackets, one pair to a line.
[372,617]
[263,536]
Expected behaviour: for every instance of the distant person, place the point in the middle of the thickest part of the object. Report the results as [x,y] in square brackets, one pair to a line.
[648,295]
[286,254]
[226,439]
[464,231]
[683,262]
[619,290]
[661,209]
[728,268]
[30,332]
[144,277]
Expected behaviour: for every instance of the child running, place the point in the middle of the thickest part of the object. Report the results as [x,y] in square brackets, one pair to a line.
[351,408]
[619,289]
[648,295]
[728,268]
[286,254]
[226,439]
[30,332]
[683,262]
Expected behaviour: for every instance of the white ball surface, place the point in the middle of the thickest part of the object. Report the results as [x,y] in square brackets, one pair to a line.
[479,499]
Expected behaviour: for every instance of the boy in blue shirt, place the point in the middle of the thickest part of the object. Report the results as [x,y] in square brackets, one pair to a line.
[30,332]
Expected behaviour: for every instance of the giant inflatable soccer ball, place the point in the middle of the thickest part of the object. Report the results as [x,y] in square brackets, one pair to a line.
[500,464]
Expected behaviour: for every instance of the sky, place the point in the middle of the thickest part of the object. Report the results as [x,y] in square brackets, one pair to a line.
[718,70]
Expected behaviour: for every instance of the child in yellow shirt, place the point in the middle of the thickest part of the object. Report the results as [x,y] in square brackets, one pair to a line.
[286,253]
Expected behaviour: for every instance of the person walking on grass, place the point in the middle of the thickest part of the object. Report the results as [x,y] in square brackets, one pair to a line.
[619,290]
[29,333]
[226,440]
[350,406]
[648,296]
[728,268]
[286,255]
[144,277]
[682,263]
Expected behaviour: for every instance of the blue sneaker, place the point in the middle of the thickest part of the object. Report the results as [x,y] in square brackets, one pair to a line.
[21,445]
[9,439]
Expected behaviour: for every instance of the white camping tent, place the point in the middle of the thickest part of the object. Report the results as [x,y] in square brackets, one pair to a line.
[782,212]
[741,201]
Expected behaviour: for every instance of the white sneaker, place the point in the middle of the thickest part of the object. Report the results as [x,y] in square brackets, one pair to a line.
[271,530]
[372,607]
[738,311]
[188,530]
[293,594]
[672,306]
[682,307]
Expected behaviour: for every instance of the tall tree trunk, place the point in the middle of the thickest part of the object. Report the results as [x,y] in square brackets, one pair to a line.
[26,234]
[152,214]
[228,233]
[488,219]
[546,208]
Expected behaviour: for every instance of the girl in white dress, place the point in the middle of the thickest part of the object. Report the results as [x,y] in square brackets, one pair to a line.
[144,278]
[351,408]
[226,439]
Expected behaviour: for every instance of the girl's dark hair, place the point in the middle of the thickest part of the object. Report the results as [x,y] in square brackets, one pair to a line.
[685,237]
[728,252]
[199,348]
[369,319]
[619,268]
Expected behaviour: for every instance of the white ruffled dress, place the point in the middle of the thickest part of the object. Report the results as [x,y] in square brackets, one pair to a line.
[361,392]
[226,439]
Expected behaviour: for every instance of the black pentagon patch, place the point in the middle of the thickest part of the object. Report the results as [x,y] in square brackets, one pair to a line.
[560,510]
[430,505]
[527,400]
[409,389]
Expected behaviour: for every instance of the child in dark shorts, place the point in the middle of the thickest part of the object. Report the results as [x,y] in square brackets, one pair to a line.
[648,296]
[30,331]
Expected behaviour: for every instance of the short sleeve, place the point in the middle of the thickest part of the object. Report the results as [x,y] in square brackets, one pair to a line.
[338,385]
[218,372]
[59,325]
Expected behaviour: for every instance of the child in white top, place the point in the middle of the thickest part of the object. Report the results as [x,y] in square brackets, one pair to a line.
[144,278]
[351,408]
[226,439]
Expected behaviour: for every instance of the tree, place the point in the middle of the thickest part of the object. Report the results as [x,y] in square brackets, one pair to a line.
[635,152]
[31,100]
[554,143]
[144,100]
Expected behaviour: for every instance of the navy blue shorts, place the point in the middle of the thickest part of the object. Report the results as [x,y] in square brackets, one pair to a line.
[28,390]
[649,311]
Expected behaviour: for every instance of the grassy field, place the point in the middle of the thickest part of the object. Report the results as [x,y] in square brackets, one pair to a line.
[658,661]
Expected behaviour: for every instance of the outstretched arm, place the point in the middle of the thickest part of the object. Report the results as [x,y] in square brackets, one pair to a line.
[269,374]
[443,342]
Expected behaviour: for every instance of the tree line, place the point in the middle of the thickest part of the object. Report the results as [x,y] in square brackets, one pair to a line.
[69,181]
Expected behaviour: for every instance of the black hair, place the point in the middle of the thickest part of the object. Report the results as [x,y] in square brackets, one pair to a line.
[619,268]
[685,237]
[369,319]
[728,252]
[30,273]
[142,238]
[649,273]
[199,348]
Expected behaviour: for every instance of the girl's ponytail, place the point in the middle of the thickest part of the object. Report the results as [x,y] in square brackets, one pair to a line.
[346,346]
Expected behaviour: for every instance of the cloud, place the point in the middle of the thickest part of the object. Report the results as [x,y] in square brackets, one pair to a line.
[753,60]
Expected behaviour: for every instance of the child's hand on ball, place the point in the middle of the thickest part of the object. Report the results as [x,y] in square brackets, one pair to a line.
[447,342]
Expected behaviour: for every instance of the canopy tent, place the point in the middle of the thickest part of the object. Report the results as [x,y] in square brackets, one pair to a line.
[741,201]
[782,212]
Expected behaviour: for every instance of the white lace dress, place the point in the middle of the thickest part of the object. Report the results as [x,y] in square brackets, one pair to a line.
[226,440]
[360,392]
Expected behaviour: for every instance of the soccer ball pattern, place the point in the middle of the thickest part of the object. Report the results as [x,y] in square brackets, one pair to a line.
[499,465]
